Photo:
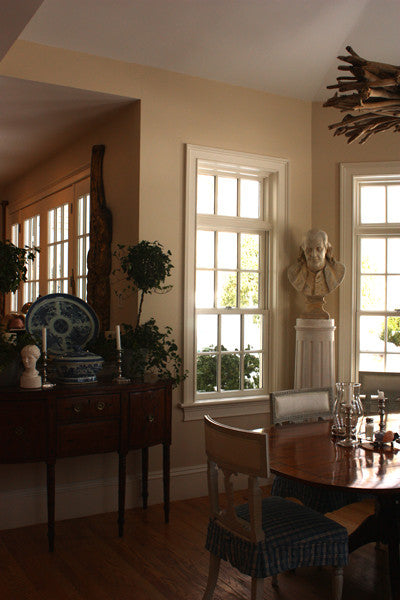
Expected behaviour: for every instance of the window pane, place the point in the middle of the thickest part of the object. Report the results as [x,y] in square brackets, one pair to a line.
[371,362]
[393,334]
[205,249]
[252,379]
[205,194]
[51,226]
[227,289]
[373,204]
[230,332]
[393,199]
[393,363]
[393,292]
[230,372]
[249,290]
[65,221]
[373,255]
[227,196]
[204,289]
[206,373]
[372,292]
[227,250]
[249,198]
[372,334]
[207,332]
[393,255]
[253,332]
[249,251]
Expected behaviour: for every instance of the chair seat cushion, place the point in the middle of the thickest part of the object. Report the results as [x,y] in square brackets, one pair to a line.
[295,536]
[318,498]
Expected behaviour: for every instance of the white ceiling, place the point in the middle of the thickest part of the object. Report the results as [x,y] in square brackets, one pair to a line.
[285,47]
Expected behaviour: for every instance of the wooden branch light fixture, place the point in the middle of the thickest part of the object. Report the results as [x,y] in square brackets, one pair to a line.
[374,99]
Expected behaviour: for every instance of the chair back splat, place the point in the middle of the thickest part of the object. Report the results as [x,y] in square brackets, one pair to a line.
[265,536]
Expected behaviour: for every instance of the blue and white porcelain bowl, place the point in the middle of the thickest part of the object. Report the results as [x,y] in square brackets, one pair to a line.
[77,367]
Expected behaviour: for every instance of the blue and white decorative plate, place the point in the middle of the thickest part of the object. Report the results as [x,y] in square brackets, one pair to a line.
[71,323]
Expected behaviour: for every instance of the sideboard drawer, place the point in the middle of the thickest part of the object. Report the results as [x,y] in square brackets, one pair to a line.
[147,419]
[80,408]
[23,431]
[87,438]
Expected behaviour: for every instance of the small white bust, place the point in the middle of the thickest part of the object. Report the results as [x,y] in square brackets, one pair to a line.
[30,378]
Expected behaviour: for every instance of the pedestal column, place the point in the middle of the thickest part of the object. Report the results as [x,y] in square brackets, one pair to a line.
[315,353]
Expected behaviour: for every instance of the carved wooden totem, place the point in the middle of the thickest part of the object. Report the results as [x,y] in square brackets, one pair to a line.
[99,255]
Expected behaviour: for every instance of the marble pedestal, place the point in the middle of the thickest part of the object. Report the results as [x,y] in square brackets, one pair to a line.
[315,353]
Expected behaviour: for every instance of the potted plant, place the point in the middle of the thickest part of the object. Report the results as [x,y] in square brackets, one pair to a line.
[13,268]
[147,348]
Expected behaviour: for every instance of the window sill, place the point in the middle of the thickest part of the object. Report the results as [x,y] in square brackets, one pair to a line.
[225,408]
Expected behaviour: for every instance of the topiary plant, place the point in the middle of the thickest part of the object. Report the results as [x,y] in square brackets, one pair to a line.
[148,349]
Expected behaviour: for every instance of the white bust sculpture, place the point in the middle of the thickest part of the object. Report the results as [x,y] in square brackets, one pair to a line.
[316,273]
[30,378]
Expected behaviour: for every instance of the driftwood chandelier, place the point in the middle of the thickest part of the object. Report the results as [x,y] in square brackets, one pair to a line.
[374,99]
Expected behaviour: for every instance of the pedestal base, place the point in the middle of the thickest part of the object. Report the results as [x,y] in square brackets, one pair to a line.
[315,353]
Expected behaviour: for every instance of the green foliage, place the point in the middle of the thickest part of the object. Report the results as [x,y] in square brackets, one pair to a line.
[146,348]
[393,331]
[230,371]
[13,265]
[151,350]
[145,266]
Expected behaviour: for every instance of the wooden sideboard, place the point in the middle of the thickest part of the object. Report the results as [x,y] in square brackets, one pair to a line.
[44,425]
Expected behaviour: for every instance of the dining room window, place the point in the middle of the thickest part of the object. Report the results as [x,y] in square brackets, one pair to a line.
[59,225]
[231,224]
[373,248]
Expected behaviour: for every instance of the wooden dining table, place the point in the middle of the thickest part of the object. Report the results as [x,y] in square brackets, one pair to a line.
[308,453]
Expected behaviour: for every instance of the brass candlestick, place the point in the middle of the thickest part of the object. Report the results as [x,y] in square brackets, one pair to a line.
[120,378]
[46,385]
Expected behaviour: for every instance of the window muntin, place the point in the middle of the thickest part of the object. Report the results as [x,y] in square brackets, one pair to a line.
[230,302]
[377,242]
[32,239]
[57,249]
[15,241]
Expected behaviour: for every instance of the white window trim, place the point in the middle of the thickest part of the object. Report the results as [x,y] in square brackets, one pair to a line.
[278,306]
[350,175]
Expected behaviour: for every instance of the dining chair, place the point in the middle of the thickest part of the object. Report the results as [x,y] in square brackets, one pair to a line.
[299,406]
[265,536]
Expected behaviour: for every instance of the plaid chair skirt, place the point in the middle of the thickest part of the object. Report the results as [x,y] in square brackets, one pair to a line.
[318,498]
[295,536]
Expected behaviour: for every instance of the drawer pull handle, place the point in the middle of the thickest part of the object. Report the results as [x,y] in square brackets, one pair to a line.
[77,408]
[150,418]
[19,430]
[100,406]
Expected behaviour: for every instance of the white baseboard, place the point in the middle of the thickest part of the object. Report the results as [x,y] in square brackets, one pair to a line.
[22,507]
[29,506]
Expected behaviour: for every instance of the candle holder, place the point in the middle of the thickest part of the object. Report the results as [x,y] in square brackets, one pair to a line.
[382,412]
[348,441]
[46,385]
[120,378]
[347,413]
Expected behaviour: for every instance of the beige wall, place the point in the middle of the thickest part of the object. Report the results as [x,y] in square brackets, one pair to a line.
[328,151]
[176,110]
[120,133]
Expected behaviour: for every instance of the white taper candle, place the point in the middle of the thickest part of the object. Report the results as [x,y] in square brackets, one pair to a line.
[118,336]
[44,340]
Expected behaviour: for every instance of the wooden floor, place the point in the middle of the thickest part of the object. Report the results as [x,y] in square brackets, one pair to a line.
[155,561]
